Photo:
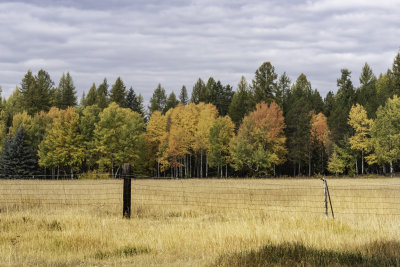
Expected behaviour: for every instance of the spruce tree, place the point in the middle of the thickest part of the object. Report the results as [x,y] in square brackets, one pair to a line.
[68,92]
[183,96]
[264,83]
[158,100]
[240,104]
[132,101]
[118,93]
[102,94]
[196,92]
[25,160]
[171,102]
[91,98]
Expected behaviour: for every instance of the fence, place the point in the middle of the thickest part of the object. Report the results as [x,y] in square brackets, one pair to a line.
[349,198]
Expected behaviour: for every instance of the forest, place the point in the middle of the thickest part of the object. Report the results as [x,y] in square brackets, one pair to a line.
[267,127]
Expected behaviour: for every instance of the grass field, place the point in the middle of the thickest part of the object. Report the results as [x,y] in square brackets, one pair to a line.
[200,223]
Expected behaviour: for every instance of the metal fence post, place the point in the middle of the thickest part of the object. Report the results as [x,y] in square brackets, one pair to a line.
[127,192]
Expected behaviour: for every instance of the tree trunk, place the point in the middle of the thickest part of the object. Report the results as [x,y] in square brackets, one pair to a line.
[391,169]
[294,169]
[206,165]
[158,169]
[201,164]
[362,162]
[309,162]
[356,167]
[226,171]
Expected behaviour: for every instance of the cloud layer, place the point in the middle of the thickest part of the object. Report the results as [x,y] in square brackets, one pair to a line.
[176,42]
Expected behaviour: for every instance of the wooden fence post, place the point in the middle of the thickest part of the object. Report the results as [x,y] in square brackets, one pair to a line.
[127,192]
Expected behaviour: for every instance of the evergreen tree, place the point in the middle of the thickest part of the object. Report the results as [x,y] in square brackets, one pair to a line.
[183,96]
[68,93]
[198,88]
[102,94]
[396,74]
[18,160]
[171,102]
[82,103]
[118,93]
[36,92]
[366,93]
[345,98]
[91,98]
[132,100]
[240,104]
[211,92]
[297,107]
[158,100]
[282,87]
[264,83]
[140,107]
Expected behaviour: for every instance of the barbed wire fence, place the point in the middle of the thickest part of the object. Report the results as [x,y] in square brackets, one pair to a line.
[205,195]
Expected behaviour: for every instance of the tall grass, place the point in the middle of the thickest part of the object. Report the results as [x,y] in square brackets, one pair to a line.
[196,222]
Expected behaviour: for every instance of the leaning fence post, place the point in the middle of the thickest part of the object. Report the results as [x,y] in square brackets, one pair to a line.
[127,192]
[327,195]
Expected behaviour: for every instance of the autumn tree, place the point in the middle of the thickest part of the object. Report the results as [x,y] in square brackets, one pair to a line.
[360,141]
[260,142]
[207,115]
[221,134]
[319,136]
[385,134]
[62,145]
[156,132]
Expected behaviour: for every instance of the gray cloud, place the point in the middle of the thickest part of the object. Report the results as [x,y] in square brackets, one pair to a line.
[175,42]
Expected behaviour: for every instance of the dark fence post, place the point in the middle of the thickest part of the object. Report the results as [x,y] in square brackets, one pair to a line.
[127,192]
[327,195]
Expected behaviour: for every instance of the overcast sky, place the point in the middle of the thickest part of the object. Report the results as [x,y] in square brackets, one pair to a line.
[147,42]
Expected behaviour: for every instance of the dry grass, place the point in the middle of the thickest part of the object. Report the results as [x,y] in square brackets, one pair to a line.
[189,222]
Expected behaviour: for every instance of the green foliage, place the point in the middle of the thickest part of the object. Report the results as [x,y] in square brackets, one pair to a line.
[199,92]
[36,92]
[158,101]
[344,100]
[65,93]
[118,93]
[367,92]
[264,83]
[18,159]
[119,137]
[183,96]
[241,102]
[91,98]
[171,102]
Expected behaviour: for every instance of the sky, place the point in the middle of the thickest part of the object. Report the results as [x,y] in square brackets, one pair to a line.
[175,42]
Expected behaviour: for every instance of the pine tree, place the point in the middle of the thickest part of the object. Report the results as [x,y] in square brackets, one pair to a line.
[36,92]
[132,101]
[91,98]
[171,102]
[102,95]
[197,90]
[68,93]
[264,83]
[118,93]
[366,93]
[183,96]
[241,102]
[158,100]
[345,98]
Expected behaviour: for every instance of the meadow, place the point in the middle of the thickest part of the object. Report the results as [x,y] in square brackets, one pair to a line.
[200,222]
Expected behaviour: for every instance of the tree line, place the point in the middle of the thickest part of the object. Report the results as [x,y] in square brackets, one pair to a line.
[270,126]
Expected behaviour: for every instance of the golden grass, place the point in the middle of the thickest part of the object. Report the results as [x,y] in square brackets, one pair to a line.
[187,222]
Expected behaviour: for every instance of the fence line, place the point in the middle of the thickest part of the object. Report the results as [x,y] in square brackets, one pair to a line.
[287,196]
